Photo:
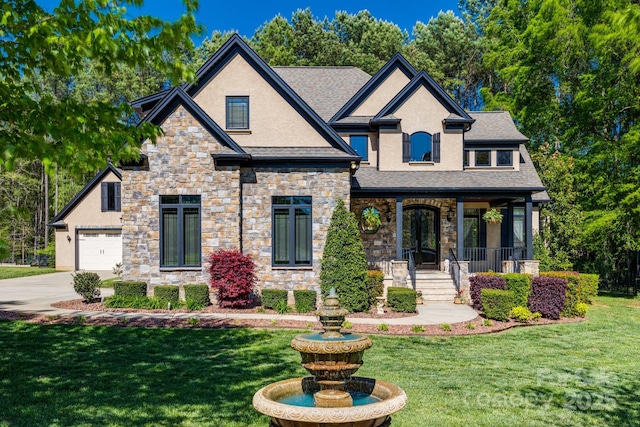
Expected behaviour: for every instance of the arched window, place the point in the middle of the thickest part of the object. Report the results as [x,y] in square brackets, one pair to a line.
[421,147]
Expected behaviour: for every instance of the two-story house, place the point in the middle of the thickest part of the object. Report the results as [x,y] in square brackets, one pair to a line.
[255,157]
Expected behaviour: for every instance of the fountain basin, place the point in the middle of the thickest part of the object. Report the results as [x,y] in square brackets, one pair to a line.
[391,399]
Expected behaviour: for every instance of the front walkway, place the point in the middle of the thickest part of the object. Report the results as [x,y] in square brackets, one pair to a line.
[35,294]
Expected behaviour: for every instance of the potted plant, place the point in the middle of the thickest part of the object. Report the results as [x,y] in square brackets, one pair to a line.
[371,221]
[459,298]
[492,216]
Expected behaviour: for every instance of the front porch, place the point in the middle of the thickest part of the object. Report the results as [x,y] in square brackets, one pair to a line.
[445,240]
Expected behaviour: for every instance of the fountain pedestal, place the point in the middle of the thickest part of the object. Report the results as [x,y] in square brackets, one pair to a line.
[332,397]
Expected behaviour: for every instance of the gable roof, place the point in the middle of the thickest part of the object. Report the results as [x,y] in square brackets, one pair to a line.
[177,96]
[397,62]
[325,89]
[236,46]
[422,79]
[57,220]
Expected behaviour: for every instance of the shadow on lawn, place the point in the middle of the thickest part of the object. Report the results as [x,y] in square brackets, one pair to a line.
[78,375]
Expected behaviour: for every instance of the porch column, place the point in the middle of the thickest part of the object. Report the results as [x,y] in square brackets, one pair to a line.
[528,215]
[398,228]
[460,227]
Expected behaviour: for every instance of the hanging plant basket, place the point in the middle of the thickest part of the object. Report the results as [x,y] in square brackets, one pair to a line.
[370,221]
[492,216]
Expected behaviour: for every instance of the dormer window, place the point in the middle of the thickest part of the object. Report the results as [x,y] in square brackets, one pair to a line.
[505,157]
[421,147]
[483,157]
[237,112]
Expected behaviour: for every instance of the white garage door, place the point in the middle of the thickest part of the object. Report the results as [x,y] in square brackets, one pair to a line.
[99,249]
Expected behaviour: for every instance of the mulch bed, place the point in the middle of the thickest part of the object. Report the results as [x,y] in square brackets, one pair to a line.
[475,326]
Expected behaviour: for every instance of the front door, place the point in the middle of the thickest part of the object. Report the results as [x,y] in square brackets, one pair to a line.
[420,234]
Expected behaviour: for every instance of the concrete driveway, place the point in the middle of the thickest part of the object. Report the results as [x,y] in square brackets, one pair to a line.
[35,294]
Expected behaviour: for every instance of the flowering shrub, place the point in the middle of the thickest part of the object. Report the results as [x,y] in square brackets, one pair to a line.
[548,296]
[233,277]
[479,282]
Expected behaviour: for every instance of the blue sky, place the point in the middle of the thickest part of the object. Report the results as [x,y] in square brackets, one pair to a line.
[245,17]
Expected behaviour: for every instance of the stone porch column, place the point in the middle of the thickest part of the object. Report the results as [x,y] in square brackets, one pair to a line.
[399,272]
[399,229]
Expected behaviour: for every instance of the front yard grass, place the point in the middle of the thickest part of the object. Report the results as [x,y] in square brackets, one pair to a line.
[14,272]
[580,374]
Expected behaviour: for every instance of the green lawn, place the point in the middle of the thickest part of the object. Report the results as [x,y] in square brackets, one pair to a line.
[584,374]
[13,272]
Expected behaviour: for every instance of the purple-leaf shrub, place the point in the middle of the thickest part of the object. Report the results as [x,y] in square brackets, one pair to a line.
[479,282]
[547,296]
[233,277]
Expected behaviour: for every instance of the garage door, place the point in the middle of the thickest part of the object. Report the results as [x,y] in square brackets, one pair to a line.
[99,249]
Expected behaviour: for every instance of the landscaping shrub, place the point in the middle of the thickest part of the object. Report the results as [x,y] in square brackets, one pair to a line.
[282,307]
[572,296]
[483,281]
[497,303]
[548,296]
[375,283]
[271,297]
[305,300]
[130,289]
[168,293]
[139,303]
[523,314]
[588,287]
[87,285]
[197,296]
[520,285]
[581,309]
[343,264]
[233,277]
[402,299]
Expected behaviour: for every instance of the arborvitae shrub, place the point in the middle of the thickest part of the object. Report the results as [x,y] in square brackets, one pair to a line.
[520,285]
[343,264]
[130,289]
[271,297]
[497,303]
[548,295]
[402,299]
[168,293]
[375,283]
[87,285]
[197,296]
[482,281]
[233,277]
[305,300]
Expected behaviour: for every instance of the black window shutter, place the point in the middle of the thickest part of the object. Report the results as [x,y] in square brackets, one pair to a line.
[105,196]
[117,194]
[436,147]
[483,230]
[406,147]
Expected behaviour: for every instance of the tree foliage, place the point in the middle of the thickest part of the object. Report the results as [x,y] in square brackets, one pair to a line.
[343,264]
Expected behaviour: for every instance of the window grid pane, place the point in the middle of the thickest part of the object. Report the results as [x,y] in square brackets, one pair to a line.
[281,236]
[421,147]
[169,236]
[303,236]
[505,158]
[238,112]
[180,231]
[292,231]
[483,157]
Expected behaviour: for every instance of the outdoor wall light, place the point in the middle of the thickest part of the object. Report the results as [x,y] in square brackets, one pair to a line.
[68,238]
[449,215]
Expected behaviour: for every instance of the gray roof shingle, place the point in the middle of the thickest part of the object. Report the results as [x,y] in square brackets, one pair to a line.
[493,126]
[296,152]
[324,89]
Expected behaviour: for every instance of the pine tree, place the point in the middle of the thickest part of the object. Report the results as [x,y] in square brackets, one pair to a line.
[343,264]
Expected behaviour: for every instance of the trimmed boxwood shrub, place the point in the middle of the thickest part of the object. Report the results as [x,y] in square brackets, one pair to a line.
[87,285]
[402,299]
[233,277]
[271,297]
[130,289]
[305,300]
[520,285]
[375,283]
[169,293]
[344,265]
[483,281]
[548,295]
[572,297]
[588,287]
[197,296]
[497,303]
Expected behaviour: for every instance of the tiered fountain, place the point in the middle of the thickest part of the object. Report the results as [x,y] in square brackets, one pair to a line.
[332,397]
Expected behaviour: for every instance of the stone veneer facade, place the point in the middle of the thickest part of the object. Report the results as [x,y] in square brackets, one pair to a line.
[235,207]
[381,246]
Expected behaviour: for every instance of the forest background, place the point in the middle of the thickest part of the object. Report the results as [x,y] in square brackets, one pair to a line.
[567,70]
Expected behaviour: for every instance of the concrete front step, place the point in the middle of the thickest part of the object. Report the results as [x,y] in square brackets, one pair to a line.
[435,286]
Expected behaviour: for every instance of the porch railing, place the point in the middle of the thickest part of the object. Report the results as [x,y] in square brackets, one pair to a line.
[492,259]
[407,254]
[454,269]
